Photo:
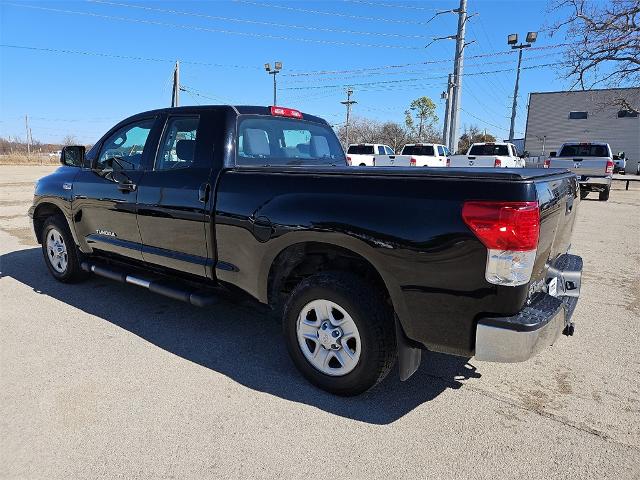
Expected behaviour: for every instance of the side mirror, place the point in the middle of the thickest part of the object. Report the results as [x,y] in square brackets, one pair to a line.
[552,154]
[622,155]
[72,156]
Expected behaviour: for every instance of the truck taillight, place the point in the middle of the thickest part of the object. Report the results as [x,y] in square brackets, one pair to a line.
[510,231]
[497,162]
[348,160]
[285,112]
[448,162]
[609,168]
[412,162]
[547,163]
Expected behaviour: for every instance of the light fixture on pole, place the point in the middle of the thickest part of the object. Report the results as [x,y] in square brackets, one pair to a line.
[512,40]
[277,66]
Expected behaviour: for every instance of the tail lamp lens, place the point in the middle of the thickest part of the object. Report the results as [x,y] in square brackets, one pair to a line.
[412,162]
[497,163]
[510,231]
[547,163]
[348,160]
[609,168]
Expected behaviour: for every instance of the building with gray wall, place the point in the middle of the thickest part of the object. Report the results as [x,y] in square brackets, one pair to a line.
[593,115]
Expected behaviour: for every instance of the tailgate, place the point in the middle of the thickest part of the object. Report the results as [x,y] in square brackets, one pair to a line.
[558,198]
[583,166]
[392,160]
[472,161]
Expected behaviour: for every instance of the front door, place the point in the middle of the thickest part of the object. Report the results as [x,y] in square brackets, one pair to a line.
[105,195]
[174,198]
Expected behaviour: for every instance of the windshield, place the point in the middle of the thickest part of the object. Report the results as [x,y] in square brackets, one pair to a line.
[360,150]
[418,150]
[489,149]
[269,141]
[585,150]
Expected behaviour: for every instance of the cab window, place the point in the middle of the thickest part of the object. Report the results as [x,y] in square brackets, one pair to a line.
[123,149]
[178,145]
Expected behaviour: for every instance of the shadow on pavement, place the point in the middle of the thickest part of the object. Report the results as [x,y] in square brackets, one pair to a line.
[235,340]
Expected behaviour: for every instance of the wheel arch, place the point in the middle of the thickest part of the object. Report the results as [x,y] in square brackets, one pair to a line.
[44,210]
[302,259]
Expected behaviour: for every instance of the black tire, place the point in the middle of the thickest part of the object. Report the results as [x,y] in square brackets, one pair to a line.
[604,195]
[72,272]
[372,317]
[583,194]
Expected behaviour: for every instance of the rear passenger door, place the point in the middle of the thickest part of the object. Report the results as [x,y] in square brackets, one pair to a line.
[174,198]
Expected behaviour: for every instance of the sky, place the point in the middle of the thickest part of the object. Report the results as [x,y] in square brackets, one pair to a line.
[78,67]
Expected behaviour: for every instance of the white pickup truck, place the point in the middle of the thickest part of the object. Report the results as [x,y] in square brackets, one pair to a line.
[416,155]
[362,154]
[489,154]
[592,162]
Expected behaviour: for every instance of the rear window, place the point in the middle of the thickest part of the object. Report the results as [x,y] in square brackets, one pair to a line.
[269,141]
[418,150]
[360,150]
[489,150]
[585,150]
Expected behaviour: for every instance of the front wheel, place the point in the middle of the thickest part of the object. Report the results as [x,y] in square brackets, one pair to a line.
[60,252]
[339,333]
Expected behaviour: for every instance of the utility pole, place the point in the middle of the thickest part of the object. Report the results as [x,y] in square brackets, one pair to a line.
[512,40]
[457,76]
[175,93]
[348,104]
[447,110]
[26,124]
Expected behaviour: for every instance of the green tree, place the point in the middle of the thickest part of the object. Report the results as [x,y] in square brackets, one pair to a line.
[421,117]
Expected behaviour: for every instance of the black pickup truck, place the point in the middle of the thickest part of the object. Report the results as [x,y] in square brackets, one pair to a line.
[365,265]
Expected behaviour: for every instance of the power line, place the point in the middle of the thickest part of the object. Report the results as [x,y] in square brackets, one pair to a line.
[390,5]
[216,30]
[257,22]
[409,80]
[298,78]
[331,14]
[488,123]
[125,57]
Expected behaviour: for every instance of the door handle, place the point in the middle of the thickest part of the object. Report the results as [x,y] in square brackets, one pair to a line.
[203,192]
[127,187]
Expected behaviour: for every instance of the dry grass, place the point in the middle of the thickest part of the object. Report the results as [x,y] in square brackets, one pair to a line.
[18,159]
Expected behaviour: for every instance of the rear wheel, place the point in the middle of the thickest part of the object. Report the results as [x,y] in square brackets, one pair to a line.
[604,195]
[583,194]
[60,252]
[339,333]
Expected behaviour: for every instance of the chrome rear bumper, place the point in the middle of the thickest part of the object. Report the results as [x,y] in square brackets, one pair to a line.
[519,337]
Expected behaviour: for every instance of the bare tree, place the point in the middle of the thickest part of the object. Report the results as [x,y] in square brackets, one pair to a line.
[70,140]
[604,44]
[473,135]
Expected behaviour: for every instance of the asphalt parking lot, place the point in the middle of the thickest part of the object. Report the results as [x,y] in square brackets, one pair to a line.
[107,380]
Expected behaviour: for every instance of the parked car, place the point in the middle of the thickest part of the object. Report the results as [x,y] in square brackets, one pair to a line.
[416,155]
[619,163]
[591,162]
[489,154]
[364,266]
[363,154]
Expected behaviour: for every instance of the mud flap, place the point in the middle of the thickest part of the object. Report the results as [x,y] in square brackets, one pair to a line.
[408,356]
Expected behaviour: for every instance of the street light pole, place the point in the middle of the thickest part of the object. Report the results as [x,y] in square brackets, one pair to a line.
[277,66]
[513,40]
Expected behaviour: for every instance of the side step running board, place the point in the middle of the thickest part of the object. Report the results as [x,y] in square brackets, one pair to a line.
[199,298]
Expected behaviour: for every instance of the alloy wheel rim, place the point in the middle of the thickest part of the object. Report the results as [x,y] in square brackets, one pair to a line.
[328,337]
[57,251]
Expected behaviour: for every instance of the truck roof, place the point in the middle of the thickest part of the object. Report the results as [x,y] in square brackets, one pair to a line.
[238,109]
